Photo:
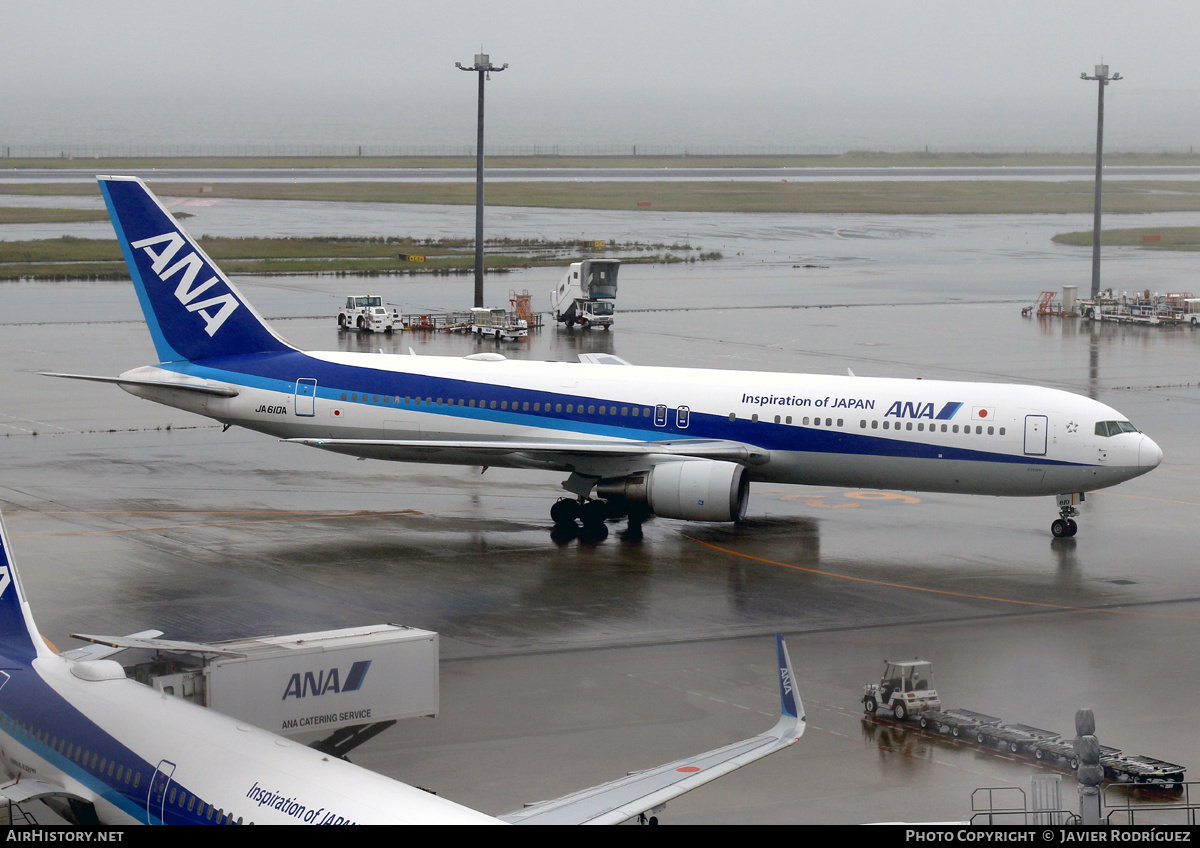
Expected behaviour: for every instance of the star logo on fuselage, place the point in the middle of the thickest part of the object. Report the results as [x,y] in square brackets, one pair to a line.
[1072,427]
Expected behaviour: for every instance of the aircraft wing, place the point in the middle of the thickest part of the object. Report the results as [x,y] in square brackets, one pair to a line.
[648,791]
[203,388]
[430,448]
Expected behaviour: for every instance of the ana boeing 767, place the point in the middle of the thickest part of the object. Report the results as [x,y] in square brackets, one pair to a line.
[677,442]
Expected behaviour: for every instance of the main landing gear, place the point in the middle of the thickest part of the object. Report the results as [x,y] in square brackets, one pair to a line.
[570,513]
[1064,527]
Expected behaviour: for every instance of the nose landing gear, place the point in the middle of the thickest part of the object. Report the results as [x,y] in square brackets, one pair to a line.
[1065,527]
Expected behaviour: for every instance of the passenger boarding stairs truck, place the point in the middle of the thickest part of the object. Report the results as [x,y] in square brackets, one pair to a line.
[585,295]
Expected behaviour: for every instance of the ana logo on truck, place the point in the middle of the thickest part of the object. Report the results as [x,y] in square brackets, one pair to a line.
[324,682]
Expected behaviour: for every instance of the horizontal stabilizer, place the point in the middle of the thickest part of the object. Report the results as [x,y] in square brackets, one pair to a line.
[24,789]
[104,649]
[602,359]
[120,643]
[174,385]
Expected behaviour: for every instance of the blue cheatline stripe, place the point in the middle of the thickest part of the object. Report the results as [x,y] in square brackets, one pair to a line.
[51,722]
[277,372]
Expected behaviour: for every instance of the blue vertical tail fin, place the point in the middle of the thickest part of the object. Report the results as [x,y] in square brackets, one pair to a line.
[191,308]
[19,637]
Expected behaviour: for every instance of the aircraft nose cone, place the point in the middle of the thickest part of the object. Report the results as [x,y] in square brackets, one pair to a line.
[1149,453]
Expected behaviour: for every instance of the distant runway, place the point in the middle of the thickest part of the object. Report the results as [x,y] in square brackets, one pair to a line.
[649,173]
[570,661]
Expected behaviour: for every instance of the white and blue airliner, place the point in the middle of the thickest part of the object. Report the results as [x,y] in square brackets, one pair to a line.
[677,442]
[99,748]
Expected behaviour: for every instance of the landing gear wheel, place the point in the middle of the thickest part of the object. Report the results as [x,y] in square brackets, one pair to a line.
[1072,527]
[564,512]
[1059,529]
[593,513]
[901,711]
[870,705]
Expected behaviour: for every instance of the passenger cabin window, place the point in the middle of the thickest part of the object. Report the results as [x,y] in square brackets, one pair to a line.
[683,414]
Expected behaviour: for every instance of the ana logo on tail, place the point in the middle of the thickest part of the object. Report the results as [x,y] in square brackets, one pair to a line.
[185,293]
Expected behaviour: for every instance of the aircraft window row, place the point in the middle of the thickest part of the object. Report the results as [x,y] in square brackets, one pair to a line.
[804,422]
[90,760]
[514,406]
[1114,428]
[933,428]
[178,797]
[117,772]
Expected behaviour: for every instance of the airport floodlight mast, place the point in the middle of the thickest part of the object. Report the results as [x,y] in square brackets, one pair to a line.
[484,67]
[1101,76]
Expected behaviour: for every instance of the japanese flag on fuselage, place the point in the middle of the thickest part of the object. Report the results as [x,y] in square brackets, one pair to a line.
[983,413]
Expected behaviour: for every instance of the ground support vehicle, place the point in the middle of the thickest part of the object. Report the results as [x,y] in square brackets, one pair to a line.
[906,688]
[1123,768]
[495,323]
[1016,738]
[585,295]
[367,312]
[955,722]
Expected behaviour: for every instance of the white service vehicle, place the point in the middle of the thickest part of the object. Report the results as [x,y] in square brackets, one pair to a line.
[367,312]
[585,295]
[494,322]
[906,688]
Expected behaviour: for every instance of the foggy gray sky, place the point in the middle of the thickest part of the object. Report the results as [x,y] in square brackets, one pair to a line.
[796,74]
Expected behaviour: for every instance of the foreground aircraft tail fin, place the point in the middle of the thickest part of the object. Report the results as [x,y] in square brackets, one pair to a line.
[19,637]
[192,309]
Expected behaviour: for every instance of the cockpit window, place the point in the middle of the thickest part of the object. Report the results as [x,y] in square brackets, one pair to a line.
[1114,428]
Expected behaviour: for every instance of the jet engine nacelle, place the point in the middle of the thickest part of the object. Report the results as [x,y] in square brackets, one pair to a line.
[694,489]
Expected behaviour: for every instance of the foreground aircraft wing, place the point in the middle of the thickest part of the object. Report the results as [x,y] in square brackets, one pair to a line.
[648,791]
[398,448]
[199,387]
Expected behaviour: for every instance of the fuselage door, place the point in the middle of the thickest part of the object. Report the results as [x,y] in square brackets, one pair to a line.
[157,798]
[306,397]
[1035,434]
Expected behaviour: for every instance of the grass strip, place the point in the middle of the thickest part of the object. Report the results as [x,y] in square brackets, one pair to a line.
[931,197]
[1168,238]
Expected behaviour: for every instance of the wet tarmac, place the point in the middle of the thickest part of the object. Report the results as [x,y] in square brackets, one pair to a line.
[569,661]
